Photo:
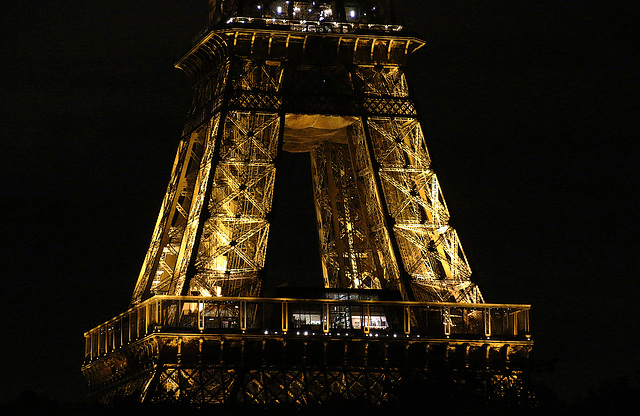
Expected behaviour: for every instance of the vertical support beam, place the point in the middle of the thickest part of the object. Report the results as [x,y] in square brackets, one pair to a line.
[199,213]
[405,278]
[360,185]
[343,281]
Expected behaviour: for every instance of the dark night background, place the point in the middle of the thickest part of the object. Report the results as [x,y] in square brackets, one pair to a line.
[528,108]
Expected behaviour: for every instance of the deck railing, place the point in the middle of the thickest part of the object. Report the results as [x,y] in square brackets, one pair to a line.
[307,317]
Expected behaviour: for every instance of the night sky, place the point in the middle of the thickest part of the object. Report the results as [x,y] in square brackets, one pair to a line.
[528,110]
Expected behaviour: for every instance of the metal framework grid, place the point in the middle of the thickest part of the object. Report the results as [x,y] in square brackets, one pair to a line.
[382,219]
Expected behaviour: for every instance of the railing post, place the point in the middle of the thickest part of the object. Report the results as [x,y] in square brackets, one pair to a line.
[87,346]
[447,321]
[325,317]
[101,338]
[200,312]
[285,316]
[110,337]
[367,319]
[146,318]
[407,319]
[243,315]
[158,312]
[486,313]
[107,339]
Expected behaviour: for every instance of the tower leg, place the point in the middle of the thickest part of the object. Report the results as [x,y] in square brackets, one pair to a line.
[234,229]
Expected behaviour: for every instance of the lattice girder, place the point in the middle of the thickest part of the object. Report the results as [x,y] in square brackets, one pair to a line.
[350,260]
[382,220]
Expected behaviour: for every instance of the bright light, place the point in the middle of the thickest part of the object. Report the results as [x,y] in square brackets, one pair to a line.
[279,10]
[352,13]
[442,229]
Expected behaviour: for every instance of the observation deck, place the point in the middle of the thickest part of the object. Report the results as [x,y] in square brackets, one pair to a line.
[303,16]
[344,333]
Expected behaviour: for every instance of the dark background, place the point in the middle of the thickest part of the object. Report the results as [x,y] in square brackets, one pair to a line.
[529,112]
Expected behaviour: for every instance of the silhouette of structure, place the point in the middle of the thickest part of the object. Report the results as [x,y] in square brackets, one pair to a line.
[398,309]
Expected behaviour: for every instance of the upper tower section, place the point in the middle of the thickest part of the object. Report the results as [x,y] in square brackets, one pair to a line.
[307,15]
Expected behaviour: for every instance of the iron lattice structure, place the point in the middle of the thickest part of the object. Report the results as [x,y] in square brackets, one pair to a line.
[326,79]
[382,219]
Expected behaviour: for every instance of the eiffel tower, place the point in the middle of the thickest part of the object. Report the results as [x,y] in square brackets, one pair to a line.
[398,308]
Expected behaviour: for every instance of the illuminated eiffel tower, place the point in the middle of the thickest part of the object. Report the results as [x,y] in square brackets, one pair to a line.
[398,305]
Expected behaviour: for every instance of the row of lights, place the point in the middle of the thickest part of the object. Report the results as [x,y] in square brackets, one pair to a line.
[307,333]
[352,13]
